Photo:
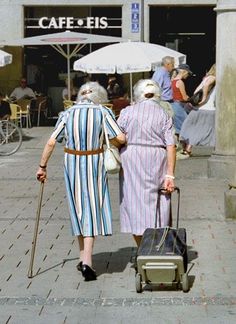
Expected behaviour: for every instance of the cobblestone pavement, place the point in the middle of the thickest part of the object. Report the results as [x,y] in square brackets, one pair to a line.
[58,293]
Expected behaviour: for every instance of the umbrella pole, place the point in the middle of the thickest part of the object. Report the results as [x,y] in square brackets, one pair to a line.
[36,226]
[131,87]
[68,70]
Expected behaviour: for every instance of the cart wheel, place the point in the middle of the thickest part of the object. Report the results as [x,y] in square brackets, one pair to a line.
[138,283]
[185,283]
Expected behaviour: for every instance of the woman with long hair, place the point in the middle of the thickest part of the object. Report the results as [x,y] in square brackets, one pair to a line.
[199,126]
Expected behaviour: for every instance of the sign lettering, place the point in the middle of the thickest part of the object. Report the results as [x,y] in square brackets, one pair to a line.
[71,22]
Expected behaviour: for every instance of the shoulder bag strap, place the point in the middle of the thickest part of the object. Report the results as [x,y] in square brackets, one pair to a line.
[104,127]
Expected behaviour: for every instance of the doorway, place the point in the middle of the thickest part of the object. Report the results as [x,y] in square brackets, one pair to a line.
[190,30]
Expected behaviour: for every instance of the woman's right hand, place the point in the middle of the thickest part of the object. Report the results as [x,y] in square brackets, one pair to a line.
[169,185]
[41,175]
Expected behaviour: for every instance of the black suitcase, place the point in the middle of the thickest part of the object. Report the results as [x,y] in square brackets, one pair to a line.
[162,255]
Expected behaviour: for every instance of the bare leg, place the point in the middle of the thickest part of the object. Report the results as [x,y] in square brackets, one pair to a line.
[189,148]
[81,247]
[183,145]
[88,250]
[137,239]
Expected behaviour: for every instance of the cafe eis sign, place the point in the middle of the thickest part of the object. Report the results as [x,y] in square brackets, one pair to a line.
[71,22]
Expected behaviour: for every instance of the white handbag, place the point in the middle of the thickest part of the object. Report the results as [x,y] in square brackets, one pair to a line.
[112,160]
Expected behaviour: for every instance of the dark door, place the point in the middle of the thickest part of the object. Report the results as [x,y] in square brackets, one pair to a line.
[190,30]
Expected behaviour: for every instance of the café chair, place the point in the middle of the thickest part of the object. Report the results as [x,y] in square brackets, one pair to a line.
[25,111]
[15,114]
[68,103]
[108,105]
[39,107]
[42,109]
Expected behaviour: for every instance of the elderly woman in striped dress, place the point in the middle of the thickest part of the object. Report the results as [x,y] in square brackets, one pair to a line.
[85,177]
[148,161]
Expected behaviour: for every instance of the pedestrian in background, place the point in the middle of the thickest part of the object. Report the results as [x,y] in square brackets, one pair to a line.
[199,126]
[180,96]
[162,76]
[148,161]
[84,172]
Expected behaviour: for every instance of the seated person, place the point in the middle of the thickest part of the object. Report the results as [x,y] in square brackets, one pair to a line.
[73,91]
[113,88]
[5,110]
[198,128]
[22,92]
[120,103]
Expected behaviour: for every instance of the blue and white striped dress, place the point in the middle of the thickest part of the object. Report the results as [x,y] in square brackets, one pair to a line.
[85,176]
[147,127]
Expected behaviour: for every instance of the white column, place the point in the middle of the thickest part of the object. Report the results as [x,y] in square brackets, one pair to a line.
[223,161]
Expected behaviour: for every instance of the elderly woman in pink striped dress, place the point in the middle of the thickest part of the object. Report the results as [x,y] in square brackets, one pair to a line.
[148,161]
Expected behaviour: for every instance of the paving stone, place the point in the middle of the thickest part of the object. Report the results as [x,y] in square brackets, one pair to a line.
[59,294]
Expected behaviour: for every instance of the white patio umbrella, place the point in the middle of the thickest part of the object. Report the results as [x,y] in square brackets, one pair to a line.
[5,58]
[57,40]
[127,57]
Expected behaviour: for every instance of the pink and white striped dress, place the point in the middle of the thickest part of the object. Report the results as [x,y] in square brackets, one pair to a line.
[144,160]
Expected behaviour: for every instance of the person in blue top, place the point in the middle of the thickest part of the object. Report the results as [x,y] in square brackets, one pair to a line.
[85,176]
[162,77]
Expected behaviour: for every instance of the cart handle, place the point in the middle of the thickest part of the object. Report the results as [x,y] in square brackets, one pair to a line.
[163,191]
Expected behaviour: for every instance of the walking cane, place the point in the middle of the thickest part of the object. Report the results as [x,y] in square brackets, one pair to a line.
[36,226]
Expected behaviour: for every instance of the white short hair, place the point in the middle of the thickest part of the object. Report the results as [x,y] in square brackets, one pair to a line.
[146,89]
[92,91]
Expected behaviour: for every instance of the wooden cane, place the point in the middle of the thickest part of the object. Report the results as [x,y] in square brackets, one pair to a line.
[36,226]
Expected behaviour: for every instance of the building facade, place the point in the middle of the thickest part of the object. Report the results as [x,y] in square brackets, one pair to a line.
[185,25]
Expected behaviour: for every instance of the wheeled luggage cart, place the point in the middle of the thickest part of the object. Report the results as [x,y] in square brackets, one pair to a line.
[162,256]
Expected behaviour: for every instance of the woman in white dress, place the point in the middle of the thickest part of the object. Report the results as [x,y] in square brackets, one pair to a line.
[199,126]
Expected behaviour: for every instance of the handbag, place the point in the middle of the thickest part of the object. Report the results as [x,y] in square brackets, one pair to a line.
[112,161]
[196,97]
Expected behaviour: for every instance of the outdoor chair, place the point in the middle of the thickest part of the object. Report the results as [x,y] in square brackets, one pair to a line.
[25,111]
[108,105]
[38,107]
[42,109]
[68,103]
[15,114]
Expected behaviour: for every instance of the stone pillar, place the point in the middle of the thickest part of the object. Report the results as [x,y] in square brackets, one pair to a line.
[222,163]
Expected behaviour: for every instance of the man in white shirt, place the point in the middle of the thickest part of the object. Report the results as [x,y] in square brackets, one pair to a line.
[22,92]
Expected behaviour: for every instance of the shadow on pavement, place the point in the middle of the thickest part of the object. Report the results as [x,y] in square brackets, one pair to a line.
[26,137]
[61,264]
[117,261]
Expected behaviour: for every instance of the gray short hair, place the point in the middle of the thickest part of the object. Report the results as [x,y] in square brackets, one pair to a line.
[146,89]
[92,91]
[167,59]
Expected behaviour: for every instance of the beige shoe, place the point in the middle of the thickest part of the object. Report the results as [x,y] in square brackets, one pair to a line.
[180,156]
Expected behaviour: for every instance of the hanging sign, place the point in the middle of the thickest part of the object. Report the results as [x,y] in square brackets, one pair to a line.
[135,13]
